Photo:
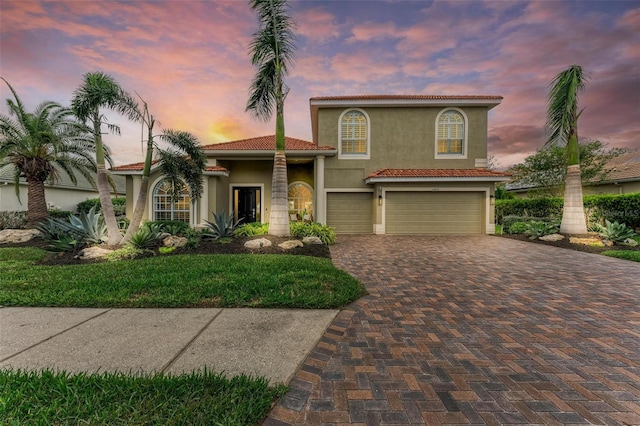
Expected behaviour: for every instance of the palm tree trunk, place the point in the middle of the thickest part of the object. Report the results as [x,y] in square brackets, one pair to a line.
[104,192]
[141,202]
[37,203]
[279,218]
[573,220]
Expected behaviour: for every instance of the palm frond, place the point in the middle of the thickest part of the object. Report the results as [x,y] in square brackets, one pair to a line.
[562,104]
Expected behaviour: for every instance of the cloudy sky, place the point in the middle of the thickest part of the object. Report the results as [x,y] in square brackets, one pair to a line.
[189,60]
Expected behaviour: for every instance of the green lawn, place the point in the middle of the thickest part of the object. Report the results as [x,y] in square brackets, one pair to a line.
[282,281]
[28,398]
[633,255]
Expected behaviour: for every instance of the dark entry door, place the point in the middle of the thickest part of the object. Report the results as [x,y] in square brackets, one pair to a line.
[246,202]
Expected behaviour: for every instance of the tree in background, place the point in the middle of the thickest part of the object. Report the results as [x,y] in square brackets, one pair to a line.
[272,52]
[41,144]
[182,163]
[99,90]
[562,127]
[545,172]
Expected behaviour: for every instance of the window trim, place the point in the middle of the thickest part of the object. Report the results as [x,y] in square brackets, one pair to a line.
[359,156]
[153,209]
[465,142]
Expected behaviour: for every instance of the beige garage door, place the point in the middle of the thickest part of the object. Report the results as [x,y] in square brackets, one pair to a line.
[350,212]
[434,212]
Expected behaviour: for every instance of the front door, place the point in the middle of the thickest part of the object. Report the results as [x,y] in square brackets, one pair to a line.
[246,204]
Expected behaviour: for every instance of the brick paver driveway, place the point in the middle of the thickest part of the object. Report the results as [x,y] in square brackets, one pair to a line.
[475,330]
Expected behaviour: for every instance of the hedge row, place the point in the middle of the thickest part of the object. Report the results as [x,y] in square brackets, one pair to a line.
[119,205]
[615,208]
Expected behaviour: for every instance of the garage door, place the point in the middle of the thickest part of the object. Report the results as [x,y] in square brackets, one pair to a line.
[350,212]
[434,212]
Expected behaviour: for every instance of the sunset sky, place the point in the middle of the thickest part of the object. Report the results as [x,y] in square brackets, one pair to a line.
[189,60]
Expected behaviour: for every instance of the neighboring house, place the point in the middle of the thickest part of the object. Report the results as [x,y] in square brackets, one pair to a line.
[377,164]
[623,177]
[63,195]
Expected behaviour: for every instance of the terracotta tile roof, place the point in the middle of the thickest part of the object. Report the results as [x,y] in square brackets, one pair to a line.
[436,173]
[131,167]
[266,143]
[216,169]
[138,167]
[624,167]
[403,97]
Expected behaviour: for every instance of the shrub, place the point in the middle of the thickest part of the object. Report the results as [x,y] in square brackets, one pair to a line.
[222,226]
[166,250]
[13,220]
[119,205]
[623,208]
[193,237]
[74,232]
[532,207]
[146,237]
[616,232]
[537,229]
[126,252]
[313,229]
[252,229]
[61,214]
[173,227]
[518,228]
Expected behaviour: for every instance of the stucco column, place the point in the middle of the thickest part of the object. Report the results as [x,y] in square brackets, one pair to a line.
[320,208]
[204,202]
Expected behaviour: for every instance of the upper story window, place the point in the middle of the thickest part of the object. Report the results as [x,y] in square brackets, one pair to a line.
[451,134]
[354,135]
[165,208]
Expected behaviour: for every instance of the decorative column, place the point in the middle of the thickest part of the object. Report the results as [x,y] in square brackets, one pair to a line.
[320,209]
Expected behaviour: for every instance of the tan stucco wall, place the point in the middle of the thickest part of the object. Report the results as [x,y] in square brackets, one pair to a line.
[400,138]
[616,189]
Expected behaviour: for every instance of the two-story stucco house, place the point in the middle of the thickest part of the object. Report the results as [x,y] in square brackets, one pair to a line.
[377,164]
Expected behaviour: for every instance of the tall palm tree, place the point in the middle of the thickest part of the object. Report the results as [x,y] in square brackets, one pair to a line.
[100,90]
[182,164]
[39,146]
[272,52]
[562,126]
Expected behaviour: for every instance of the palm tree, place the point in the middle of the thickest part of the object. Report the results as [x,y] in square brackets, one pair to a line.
[272,52]
[39,146]
[182,164]
[100,90]
[562,126]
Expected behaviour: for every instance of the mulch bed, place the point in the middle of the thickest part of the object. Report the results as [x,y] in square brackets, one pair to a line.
[566,244]
[236,246]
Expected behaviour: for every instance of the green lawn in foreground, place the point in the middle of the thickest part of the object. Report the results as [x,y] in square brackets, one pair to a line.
[283,281]
[30,398]
[633,255]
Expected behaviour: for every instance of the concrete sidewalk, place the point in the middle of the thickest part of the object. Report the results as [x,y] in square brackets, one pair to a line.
[261,342]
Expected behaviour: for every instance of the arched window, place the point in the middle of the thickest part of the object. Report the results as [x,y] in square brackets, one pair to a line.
[164,208]
[354,134]
[451,133]
[300,197]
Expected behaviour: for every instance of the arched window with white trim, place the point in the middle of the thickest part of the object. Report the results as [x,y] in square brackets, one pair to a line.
[451,134]
[166,208]
[300,196]
[354,134]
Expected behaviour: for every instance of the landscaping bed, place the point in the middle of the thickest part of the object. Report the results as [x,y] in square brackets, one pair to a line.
[234,246]
[568,245]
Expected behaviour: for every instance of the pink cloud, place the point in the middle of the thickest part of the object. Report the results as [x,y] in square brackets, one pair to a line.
[316,24]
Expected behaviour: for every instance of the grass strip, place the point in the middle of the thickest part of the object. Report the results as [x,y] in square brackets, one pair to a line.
[48,397]
[633,255]
[246,280]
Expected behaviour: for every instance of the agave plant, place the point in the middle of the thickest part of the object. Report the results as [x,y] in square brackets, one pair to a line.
[616,232]
[538,229]
[222,226]
[92,225]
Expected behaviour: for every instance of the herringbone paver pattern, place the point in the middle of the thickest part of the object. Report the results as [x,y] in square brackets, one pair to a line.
[474,330]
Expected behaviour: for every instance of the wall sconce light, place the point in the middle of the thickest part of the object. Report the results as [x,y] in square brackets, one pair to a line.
[492,200]
[379,200]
